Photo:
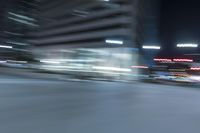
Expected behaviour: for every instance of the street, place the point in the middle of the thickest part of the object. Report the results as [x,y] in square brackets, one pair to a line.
[47,106]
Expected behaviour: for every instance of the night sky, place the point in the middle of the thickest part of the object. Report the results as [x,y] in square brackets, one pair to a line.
[180,23]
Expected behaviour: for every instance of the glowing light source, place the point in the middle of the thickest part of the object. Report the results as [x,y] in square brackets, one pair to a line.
[140,67]
[70,60]
[187,45]
[111,69]
[182,60]
[163,60]
[1,61]
[173,60]
[22,16]
[5,46]
[151,47]
[197,78]
[195,68]
[119,42]
[22,21]
[50,61]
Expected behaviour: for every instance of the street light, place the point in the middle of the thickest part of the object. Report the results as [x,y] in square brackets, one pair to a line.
[118,42]
[6,46]
[187,45]
[151,47]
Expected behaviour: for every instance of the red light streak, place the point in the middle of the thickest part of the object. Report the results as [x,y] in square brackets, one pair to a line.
[163,60]
[195,68]
[182,60]
[173,60]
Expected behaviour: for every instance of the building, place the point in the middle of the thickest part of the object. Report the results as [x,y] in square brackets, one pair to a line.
[18,19]
[87,23]
[102,34]
[101,37]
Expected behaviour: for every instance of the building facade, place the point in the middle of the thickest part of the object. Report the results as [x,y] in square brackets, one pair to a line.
[83,35]
[18,19]
[102,37]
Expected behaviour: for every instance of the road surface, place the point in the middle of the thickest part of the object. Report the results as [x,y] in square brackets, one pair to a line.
[42,106]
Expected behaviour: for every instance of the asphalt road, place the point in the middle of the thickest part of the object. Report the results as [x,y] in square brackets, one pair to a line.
[42,106]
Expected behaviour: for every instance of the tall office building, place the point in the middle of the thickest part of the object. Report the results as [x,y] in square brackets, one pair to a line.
[18,19]
[101,36]
[94,34]
[87,23]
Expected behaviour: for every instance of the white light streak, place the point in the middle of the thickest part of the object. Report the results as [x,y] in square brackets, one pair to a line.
[49,61]
[197,78]
[140,67]
[163,60]
[183,60]
[151,47]
[23,21]
[119,42]
[187,45]
[111,69]
[22,16]
[5,46]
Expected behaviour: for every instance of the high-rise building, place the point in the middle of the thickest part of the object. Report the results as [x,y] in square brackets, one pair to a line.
[81,35]
[18,19]
[108,33]
[87,23]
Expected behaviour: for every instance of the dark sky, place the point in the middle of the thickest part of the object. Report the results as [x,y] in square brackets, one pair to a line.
[180,23]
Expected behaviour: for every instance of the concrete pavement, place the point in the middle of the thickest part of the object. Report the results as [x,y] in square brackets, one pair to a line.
[42,106]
